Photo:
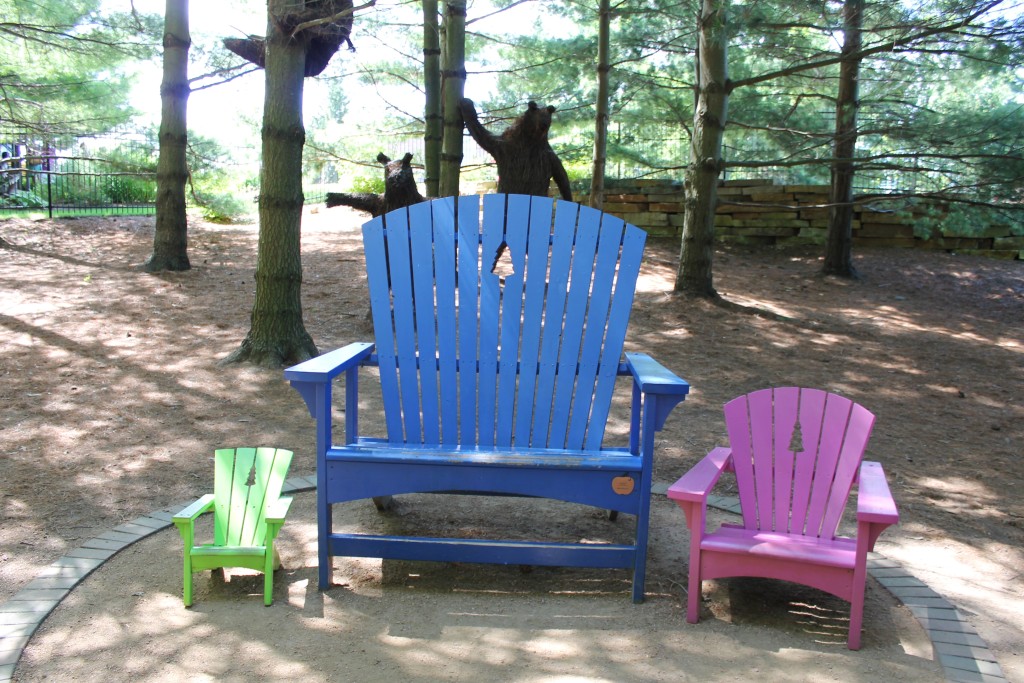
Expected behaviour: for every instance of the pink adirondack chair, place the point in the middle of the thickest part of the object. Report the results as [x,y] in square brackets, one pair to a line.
[796,454]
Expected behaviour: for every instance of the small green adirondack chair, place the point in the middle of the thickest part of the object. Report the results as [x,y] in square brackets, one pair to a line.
[248,513]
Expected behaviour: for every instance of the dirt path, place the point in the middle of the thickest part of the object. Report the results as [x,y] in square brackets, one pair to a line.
[113,401]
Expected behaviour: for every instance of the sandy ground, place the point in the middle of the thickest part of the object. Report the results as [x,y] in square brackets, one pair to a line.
[114,400]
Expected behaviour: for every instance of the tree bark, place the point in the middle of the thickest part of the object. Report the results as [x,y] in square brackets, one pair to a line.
[454,75]
[433,122]
[694,276]
[277,335]
[170,241]
[838,250]
[601,120]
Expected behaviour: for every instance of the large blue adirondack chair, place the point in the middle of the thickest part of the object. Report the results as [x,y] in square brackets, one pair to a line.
[494,383]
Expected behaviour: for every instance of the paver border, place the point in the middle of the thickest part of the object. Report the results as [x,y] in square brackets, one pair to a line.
[956,645]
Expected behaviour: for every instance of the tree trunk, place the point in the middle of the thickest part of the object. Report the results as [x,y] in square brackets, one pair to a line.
[601,121]
[838,256]
[433,123]
[694,276]
[170,241]
[277,335]
[454,74]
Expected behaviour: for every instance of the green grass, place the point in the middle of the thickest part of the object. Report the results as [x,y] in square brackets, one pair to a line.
[36,214]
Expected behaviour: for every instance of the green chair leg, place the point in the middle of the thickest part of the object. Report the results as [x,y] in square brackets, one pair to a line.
[271,563]
[188,580]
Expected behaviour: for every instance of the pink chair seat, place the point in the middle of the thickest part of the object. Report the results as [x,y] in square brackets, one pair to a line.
[832,552]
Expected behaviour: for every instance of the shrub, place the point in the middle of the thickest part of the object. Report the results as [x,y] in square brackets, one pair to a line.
[21,199]
[224,208]
[369,183]
[121,189]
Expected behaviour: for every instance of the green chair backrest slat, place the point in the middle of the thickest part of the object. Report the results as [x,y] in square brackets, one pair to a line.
[246,482]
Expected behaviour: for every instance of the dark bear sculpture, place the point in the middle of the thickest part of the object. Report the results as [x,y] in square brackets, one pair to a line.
[526,162]
[399,190]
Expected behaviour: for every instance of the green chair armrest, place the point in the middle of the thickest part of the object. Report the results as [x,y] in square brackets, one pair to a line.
[278,510]
[189,514]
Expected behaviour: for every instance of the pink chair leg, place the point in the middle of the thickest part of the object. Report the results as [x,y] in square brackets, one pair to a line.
[856,609]
[856,616]
[693,599]
[693,596]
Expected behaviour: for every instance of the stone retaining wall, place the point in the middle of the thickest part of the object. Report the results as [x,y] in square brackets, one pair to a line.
[758,212]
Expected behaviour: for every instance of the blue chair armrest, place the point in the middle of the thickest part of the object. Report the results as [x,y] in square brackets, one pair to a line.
[653,379]
[314,376]
[326,367]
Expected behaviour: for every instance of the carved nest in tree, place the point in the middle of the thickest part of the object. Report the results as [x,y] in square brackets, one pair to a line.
[312,25]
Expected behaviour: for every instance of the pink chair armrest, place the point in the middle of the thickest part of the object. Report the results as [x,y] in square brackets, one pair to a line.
[695,485]
[874,500]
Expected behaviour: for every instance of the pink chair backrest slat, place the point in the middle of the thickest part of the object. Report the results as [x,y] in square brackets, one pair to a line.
[858,430]
[812,410]
[833,430]
[737,422]
[787,402]
[796,483]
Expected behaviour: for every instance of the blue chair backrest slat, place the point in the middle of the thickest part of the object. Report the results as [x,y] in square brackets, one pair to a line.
[400,260]
[518,226]
[469,292]
[498,357]
[582,268]
[375,249]
[421,239]
[447,338]
[557,295]
[598,310]
[538,248]
[490,319]
[633,241]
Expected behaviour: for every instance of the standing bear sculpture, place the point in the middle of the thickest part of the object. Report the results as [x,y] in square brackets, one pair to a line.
[526,162]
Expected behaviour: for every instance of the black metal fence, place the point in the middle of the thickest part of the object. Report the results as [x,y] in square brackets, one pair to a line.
[109,175]
[86,177]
